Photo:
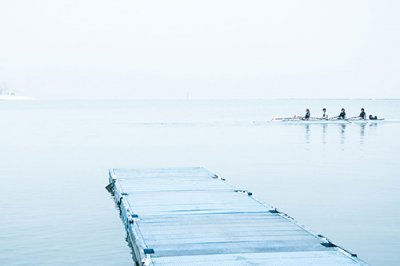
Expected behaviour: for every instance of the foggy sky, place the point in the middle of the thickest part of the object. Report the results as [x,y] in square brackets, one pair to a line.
[204,49]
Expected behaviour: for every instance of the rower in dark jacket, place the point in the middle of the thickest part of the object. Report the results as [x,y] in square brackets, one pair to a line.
[342,114]
[363,115]
[307,115]
[324,114]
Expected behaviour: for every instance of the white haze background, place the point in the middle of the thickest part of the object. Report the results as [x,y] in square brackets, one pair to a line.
[200,49]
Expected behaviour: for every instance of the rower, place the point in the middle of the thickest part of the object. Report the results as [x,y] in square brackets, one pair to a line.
[307,115]
[342,114]
[324,114]
[362,115]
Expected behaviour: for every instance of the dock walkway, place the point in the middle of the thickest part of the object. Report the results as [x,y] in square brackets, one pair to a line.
[189,216]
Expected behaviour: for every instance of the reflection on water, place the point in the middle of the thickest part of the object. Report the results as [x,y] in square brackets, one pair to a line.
[342,131]
[310,131]
[362,133]
[307,134]
[324,129]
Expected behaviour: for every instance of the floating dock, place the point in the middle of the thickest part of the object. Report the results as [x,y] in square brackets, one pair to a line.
[189,216]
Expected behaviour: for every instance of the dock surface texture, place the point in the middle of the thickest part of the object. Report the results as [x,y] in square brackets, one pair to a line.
[189,216]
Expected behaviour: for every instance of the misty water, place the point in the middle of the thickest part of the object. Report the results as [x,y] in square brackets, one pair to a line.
[341,181]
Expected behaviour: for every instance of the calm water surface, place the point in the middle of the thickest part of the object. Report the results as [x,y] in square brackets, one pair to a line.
[339,180]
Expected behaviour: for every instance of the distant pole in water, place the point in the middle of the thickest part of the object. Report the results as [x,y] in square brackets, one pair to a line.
[187,96]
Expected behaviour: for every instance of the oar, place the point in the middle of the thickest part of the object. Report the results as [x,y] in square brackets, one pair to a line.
[319,118]
[281,118]
[337,118]
[287,118]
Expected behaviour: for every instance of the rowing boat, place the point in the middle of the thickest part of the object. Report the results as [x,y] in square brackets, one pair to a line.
[326,121]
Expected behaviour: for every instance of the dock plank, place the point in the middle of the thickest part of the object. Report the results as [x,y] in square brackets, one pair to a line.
[189,216]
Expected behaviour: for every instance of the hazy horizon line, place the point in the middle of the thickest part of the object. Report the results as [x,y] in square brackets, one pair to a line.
[204,99]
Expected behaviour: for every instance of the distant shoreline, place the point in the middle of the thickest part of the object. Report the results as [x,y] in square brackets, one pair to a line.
[204,99]
[14,98]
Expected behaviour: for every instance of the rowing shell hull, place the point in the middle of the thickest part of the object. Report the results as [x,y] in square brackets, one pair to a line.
[293,121]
